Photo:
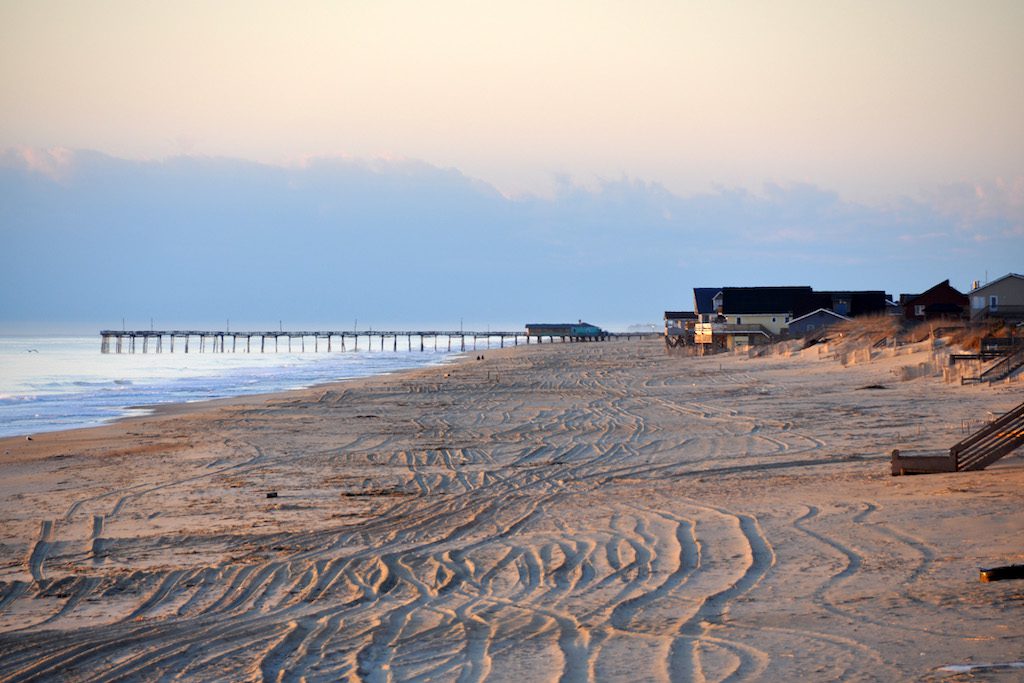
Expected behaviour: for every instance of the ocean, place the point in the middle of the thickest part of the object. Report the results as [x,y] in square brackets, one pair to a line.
[53,383]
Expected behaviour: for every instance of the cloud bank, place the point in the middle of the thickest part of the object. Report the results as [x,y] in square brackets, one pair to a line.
[89,239]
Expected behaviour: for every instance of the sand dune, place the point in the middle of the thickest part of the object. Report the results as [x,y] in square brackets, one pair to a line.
[564,512]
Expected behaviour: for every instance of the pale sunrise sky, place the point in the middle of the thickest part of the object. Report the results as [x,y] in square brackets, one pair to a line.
[867,98]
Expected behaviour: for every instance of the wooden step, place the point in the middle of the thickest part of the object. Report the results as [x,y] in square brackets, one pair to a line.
[995,440]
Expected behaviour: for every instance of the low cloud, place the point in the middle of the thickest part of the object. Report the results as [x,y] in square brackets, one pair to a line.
[980,208]
[95,238]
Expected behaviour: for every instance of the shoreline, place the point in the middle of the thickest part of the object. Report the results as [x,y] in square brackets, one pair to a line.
[132,411]
[545,512]
[254,400]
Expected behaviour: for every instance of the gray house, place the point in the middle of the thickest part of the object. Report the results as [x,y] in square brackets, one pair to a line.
[1001,298]
[815,320]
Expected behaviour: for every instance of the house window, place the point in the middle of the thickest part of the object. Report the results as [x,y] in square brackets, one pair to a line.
[993,302]
[739,321]
[773,318]
[977,302]
[919,310]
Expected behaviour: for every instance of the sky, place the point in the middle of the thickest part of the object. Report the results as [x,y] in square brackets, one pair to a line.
[643,148]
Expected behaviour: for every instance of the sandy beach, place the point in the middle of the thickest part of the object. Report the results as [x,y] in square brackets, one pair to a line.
[571,512]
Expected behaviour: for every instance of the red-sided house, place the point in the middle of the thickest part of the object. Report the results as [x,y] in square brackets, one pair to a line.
[941,302]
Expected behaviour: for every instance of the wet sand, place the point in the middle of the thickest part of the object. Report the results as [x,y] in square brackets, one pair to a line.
[575,512]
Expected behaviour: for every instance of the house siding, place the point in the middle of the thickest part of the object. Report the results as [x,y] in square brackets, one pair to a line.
[1008,291]
[940,302]
[776,323]
[814,321]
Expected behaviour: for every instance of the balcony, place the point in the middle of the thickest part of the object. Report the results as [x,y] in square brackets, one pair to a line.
[1008,312]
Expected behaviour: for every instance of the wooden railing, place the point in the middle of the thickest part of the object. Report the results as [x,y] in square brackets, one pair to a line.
[1001,436]
[1004,311]
[1004,367]
[1001,369]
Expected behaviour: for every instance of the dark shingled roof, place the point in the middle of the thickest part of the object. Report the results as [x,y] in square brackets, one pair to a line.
[861,302]
[761,300]
[702,297]
[798,301]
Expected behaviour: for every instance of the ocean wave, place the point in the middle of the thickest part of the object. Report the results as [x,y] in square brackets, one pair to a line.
[17,398]
[86,383]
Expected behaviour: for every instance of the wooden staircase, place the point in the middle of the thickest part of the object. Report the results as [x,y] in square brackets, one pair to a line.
[979,450]
[1006,365]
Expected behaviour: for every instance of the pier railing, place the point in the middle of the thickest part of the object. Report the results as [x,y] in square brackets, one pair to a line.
[302,341]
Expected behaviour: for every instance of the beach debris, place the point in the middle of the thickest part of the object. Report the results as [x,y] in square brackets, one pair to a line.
[28,438]
[271,494]
[1011,571]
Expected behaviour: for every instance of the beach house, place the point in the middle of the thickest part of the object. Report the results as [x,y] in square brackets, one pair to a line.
[1002,298]
[769,307]
[736,317]
[679,323]
[941,302]
[817,320]
[831,307]
[679,327]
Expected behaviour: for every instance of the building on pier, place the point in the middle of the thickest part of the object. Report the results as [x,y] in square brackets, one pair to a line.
[578,331]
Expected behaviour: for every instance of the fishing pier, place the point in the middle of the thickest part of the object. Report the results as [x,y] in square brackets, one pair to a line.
[213,341]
